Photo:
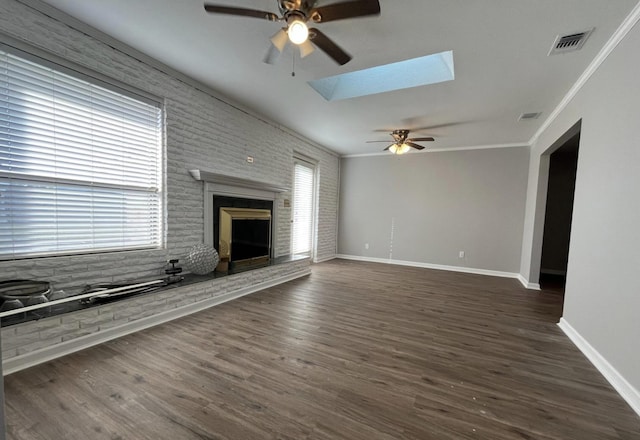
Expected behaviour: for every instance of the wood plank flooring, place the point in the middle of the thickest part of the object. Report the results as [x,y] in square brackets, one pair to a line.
[354,351]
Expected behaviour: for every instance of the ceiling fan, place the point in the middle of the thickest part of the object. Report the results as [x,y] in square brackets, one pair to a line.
[402,143]
[296,14]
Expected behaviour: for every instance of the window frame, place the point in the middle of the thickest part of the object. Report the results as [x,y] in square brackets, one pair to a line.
[49,60]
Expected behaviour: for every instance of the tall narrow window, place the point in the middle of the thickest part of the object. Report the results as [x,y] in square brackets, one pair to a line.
[79,162]
[303,207]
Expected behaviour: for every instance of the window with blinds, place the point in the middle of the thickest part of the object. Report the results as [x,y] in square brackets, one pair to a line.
[303,208]
[80,163]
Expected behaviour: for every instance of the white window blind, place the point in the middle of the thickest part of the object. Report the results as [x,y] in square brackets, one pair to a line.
[79,164]
[302,230]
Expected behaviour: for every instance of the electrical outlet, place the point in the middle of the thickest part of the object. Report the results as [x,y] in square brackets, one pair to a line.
[250,159]
[461,254]
[366,245]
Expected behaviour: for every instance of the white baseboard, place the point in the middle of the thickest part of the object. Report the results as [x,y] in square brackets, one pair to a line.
[31,359]
[525,282]
[322,260]
[493,273]
[617,381]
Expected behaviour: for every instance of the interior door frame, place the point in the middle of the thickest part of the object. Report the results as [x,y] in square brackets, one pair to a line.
[541,202]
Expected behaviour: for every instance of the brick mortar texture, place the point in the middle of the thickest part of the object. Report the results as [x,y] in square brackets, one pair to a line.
[36,335]
[200,131]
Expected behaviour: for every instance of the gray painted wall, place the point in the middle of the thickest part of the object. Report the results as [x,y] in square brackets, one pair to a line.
[427,207]
[602,298]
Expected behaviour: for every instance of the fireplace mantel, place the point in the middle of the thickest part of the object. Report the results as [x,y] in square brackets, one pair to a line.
[224,179]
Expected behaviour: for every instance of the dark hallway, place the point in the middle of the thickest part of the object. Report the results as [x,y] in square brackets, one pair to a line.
[563,166]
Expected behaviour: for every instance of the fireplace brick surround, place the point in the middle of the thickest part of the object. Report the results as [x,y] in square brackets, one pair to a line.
[203,129]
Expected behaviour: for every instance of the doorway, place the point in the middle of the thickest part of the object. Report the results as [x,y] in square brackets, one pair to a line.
[563,165]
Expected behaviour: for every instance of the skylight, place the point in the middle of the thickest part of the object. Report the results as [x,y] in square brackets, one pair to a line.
[422,71]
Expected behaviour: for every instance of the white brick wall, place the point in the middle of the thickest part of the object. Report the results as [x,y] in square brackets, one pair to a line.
[202,131]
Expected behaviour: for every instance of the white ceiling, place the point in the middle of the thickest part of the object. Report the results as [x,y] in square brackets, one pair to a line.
[499,46]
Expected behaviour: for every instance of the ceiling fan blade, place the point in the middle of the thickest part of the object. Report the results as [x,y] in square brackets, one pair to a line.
[241,12]
[306,48]
[422,139]
[329,47]
[416,146]
[272,55]
[370,142]
[280,39]
[341,11]
[388,147]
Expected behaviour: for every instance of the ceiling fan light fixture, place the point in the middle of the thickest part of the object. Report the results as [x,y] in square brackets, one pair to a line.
[298,31]
[279,39]
[399,149]
[306,48]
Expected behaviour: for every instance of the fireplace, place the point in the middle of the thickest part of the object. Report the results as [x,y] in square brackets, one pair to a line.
[244,235]
[241,246]
[242,230]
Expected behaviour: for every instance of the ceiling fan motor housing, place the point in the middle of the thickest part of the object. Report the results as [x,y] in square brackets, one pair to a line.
[303,6]
[400,135]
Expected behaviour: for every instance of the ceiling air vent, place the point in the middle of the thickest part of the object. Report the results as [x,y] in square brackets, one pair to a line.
[569,43]
[528,116]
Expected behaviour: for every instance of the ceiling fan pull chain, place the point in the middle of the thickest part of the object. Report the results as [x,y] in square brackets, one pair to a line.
[293,64]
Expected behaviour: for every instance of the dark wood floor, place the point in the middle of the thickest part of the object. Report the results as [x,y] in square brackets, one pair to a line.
[354,351]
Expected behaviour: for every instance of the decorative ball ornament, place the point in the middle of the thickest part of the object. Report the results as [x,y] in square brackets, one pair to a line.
[202,259]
